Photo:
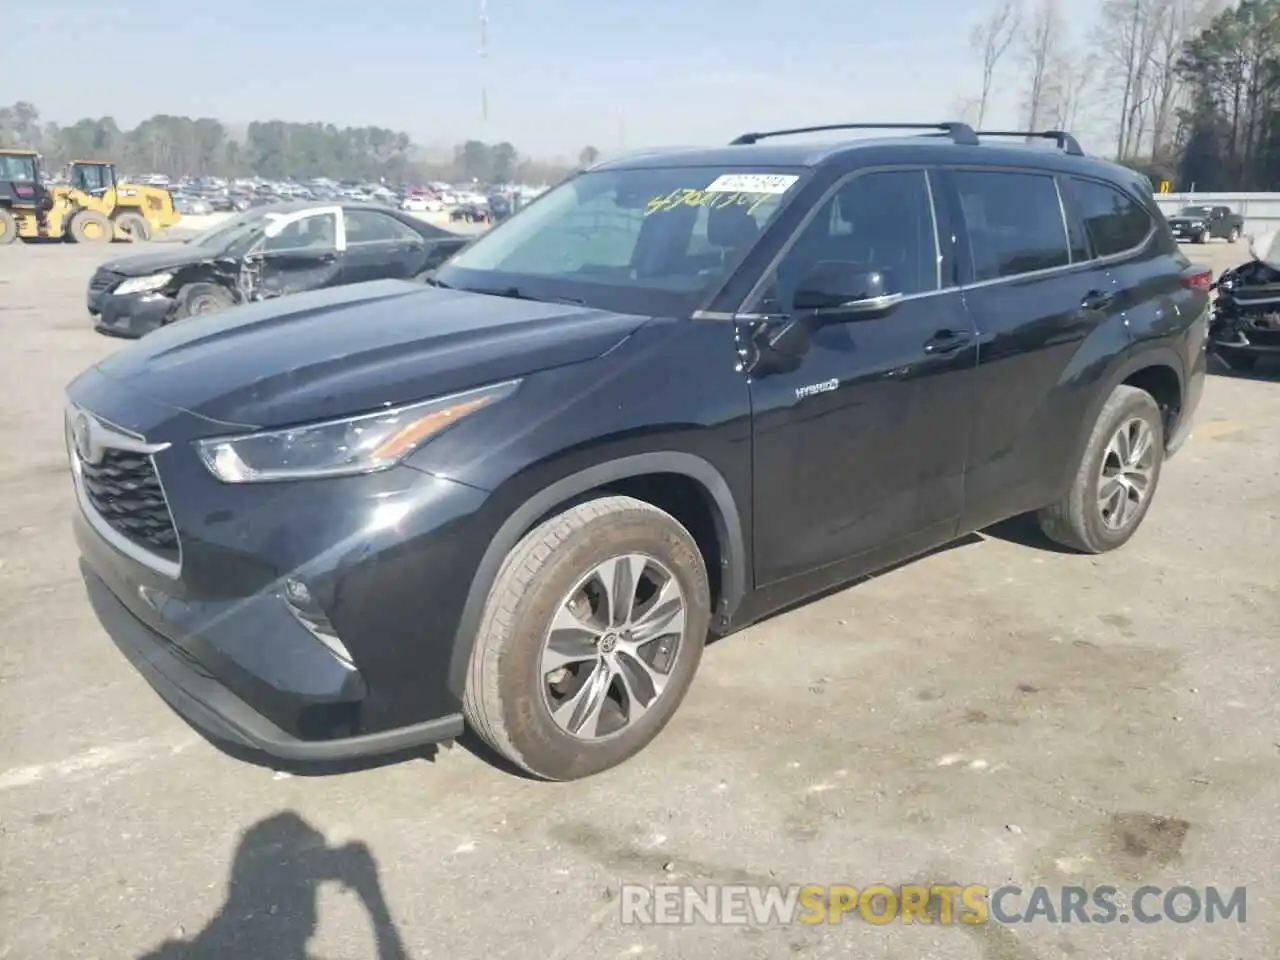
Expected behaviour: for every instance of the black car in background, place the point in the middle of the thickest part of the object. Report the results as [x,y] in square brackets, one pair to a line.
[1202,224]
[684,390]
[263,253]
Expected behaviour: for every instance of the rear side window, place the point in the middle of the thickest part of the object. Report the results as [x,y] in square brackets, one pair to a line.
[1115,221]
[1014,222]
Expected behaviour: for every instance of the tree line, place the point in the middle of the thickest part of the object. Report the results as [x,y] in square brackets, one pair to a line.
[272,149]
[1186,90]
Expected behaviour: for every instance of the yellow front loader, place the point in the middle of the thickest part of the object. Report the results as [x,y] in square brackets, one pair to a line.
[92,207]
[95,206]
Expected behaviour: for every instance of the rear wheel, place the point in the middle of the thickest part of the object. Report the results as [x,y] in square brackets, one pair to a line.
[89,226]
[135,225]
[197,299]
[1116,479]
[590,638]
[8,227]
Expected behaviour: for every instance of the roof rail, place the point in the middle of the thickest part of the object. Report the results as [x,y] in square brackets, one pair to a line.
[961,133]
[1064,140]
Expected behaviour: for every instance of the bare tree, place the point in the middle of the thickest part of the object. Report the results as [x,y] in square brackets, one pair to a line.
[1040,45]
[1126,36]
[991,40]
[967,109]
[1071,87]
[1175,22]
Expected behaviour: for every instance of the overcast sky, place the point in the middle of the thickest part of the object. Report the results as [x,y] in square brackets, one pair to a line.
[560,73]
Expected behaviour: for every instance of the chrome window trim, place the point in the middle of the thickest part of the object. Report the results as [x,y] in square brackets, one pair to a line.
[1066,227]
[937,240]
[114,437]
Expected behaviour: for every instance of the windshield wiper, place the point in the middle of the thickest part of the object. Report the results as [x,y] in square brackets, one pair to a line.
[515,293]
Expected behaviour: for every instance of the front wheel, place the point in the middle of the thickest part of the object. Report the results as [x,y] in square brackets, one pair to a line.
[135,226]
[89,226]
[8,227]
[1116,478]
[1204,236]
[590,638]
[197,299]
[1234,235]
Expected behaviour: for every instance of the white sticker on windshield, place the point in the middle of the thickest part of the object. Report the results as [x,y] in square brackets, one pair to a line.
[774,183]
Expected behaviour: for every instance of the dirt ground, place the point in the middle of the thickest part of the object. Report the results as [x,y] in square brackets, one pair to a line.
[998,712]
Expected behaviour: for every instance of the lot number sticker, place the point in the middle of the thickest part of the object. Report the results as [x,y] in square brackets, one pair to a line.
[752,183]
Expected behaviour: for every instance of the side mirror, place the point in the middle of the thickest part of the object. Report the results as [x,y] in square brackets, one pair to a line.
[839,290]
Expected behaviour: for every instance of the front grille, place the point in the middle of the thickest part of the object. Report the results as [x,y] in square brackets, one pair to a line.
[103,280]
[124,489]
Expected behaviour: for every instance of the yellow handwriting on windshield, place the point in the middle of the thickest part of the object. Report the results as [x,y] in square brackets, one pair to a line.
[715,200]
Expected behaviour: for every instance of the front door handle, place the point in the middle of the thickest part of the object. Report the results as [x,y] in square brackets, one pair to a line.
[947,341]
[1097,300]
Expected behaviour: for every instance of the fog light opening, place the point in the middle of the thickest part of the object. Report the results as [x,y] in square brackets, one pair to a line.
[299,601]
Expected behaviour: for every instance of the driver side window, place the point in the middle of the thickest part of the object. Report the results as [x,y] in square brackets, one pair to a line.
[883,221]
[316,233]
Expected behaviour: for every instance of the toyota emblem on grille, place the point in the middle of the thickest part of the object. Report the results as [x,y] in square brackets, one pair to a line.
[82,433]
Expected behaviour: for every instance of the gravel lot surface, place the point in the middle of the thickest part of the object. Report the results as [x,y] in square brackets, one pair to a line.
[997,712]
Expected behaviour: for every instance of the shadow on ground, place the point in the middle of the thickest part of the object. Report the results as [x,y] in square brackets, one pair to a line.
[271,908]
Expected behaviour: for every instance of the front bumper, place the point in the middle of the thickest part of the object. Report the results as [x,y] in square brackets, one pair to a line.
[1236,335]
[212,708]
[386,560]
[130,316]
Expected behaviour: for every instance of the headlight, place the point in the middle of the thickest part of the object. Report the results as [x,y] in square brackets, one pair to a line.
[336,448]
[144,284]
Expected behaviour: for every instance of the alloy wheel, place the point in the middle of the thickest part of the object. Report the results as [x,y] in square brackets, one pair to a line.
[1128,466]
[611,647]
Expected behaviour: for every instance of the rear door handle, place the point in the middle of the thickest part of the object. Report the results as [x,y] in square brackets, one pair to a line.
[1097,300]
[947,341]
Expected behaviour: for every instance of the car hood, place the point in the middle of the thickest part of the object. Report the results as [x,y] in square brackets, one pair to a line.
[330,353]
[153,261]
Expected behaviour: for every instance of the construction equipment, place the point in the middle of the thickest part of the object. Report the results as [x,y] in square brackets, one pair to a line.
[22,195]
[136,211]
[90,207]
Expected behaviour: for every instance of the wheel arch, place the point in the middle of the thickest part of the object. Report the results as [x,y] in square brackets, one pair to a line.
[1157,370]
[626,475]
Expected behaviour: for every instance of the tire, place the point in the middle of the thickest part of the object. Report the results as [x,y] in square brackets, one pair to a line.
[135,225]
[1204,237]
[1234,235]
[89,226]
[1078,521]
[8,228]
[198,299]
[508,700]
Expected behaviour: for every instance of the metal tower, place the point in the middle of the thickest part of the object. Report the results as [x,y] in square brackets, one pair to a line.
[484,56]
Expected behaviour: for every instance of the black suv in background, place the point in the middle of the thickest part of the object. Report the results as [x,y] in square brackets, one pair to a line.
[677,393]
[1202,224]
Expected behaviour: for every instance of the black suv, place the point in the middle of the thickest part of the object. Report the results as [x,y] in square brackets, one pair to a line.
[674,394]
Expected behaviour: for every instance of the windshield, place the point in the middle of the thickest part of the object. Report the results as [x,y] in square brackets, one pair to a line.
[1194,212]
[638,240]
[231,232]
[17,168]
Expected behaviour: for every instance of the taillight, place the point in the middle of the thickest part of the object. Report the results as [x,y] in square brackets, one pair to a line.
[1198,279]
